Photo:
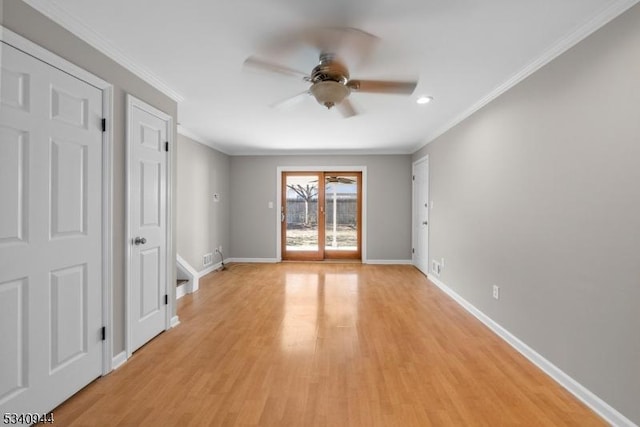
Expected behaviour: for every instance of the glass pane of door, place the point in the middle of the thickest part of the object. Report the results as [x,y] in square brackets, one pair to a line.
[342,215]
[302,215]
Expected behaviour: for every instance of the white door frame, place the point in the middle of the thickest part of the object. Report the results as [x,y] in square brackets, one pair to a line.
[414,219]
[17,41]
[280,169]
[134,102]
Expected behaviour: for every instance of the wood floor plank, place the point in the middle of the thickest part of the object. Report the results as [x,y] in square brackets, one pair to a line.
[315,344]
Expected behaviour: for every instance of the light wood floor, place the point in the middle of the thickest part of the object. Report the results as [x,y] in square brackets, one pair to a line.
[303,344]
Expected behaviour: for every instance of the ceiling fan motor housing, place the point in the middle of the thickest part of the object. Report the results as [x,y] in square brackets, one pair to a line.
[330,68]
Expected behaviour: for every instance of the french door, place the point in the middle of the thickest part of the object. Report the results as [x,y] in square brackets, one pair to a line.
[321,215]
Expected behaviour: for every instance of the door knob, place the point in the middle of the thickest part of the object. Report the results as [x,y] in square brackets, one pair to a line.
[140,241]
[425,222]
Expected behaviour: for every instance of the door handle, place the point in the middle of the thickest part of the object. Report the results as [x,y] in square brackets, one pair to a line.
[139,241]
[425,222]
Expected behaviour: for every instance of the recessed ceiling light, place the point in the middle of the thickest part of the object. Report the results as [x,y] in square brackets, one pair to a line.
[424,99]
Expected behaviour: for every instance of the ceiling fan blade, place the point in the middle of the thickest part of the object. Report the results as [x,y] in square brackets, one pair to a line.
[351,45]
[346,108]
[253,62]
[291,101]
[382,86]
[347,43]
[330,12]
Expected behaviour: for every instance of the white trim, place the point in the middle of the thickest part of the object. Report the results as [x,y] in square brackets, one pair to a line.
[191,272]
[91,37]
[208,270]
[107,227]
[389,261]
[399,151]
[175,321]
[361,169]
[598,405]
[28,47]
[186,132]
[182,290]
[131,102]
[119,360]
[197,138]
[252,260]
[194,276]
[561,46]
[170,268]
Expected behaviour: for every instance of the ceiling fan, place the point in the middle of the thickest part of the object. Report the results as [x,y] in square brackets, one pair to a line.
[330,81]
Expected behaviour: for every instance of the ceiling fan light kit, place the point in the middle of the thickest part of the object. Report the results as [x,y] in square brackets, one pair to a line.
[329,93]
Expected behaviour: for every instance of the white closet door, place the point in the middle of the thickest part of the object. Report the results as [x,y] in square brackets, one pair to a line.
[50,234]
[147,137]
[421,215]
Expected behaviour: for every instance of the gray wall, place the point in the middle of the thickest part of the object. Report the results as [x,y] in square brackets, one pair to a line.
[202,224]
[253,185]
[538,193]
[22,19]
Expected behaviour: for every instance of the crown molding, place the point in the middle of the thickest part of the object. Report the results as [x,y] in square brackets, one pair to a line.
[197,138]
[81,30]
[320,152]
[191,135]
[602,18]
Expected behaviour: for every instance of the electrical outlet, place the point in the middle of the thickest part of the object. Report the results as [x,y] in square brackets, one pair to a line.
[496,292]
[217,251]
[220,248]
[436,268]
[442,262]
[207,259]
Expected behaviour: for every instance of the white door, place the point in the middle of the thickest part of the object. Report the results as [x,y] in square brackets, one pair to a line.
[148,131]
[421,214]
[50,234]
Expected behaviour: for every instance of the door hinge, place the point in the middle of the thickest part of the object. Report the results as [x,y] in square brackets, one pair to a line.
[104,333]
[104,125]
[413,250]
[166,146]
[413,178]
[166,299]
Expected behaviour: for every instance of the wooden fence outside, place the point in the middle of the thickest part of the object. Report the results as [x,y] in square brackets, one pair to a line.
[346,211]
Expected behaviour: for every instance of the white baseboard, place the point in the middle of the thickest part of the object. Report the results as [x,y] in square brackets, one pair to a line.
[175,321]
[275,260]
[118,360]
[388,261]
[598,405]
[194,276]
[209,269]
[253,260]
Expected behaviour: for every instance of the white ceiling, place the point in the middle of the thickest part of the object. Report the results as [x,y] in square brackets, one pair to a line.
[464,53]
